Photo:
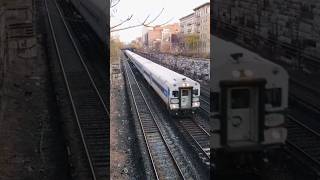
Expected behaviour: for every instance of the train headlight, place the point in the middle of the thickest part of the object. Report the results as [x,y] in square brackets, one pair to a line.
[174,101]
[174,106]
[248,73]
[272,120]
[242,73]
[195,104]
[275,135]
[185,84]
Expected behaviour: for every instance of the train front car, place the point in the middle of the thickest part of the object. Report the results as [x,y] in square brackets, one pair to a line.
[249,96]
[179,93]
[184,95]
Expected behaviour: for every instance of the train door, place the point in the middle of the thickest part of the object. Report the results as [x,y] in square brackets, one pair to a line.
[185,98]
[242,114]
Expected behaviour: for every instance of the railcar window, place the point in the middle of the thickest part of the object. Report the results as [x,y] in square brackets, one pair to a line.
[185,93]
[175,93]
[240,98]
[273,97]
[195,92]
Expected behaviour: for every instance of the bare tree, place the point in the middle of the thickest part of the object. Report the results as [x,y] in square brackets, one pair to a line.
[146,22]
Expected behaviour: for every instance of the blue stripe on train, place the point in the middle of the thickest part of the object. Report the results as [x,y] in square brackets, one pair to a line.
[163,90]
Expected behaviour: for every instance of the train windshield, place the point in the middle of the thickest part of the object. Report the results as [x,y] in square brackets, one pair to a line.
[240,98]
[196,92]
[175,93]
[273,97]
[185,93]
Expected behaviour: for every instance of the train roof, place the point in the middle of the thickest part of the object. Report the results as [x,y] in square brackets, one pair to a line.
[166,75]
[230,60]
[225,52]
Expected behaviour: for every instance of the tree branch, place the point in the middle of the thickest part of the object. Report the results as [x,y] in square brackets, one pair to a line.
[146,19]
[159,24]
[114,3]
[128,19]
[156,16]
[144,23]
[120,29]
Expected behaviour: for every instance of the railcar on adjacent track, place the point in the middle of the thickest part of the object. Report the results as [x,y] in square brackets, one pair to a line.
[249,98]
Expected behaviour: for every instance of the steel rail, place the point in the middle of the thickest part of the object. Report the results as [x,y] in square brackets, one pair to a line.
[75,113]
[296,146]
[143,130]
[194,138]
[305,103]
[81,59]
[202,100]
[68,85]
[127,66]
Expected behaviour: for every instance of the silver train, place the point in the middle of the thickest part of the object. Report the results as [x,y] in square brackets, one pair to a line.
[178,92]
[249,97]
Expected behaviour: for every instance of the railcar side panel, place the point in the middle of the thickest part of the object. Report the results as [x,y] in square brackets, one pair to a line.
[161,90]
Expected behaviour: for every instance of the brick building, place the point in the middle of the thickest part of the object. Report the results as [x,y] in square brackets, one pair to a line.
[198,23]
[187,24]
[169,42]
[202,26]
[145,38]
[154,37]
[161,38]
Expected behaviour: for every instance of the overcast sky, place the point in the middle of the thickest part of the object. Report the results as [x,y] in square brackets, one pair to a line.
[142,8]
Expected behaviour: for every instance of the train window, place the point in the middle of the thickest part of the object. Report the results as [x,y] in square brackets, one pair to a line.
[273,97]
[214,100]
[195,92]
[175,93]
[185,92]
[240,98]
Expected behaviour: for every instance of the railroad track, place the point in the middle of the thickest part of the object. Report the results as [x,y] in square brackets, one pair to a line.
[304,140]
[164,163]
[307,97]
[88,39]
[204,105]
[306,104]
[91,46]
[199,136]
[205,88]
[204,98]
[88,108]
